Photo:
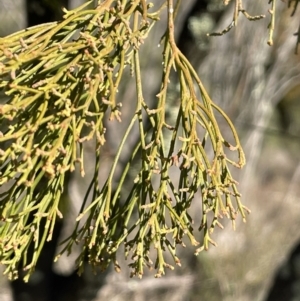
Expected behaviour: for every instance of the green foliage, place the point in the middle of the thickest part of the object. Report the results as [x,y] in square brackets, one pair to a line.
[61,81]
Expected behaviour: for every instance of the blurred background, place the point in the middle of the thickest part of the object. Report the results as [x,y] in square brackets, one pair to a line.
[259,88]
